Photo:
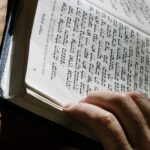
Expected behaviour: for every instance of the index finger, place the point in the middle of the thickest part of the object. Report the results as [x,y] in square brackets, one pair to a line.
[107,128]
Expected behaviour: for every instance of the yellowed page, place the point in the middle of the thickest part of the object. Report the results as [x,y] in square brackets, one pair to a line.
[77,48]
[134,12]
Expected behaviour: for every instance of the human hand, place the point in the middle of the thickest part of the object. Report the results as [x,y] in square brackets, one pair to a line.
[120,121]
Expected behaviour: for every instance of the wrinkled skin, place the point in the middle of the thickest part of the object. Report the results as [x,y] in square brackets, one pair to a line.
[120,121]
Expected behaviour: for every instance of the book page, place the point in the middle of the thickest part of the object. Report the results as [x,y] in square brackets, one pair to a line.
[76,48]
[134,12]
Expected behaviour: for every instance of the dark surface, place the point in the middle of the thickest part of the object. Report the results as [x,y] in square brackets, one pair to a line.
[23,130]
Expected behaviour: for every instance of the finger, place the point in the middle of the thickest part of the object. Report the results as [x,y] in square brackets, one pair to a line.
[126,111]
[143,103]
[103,123]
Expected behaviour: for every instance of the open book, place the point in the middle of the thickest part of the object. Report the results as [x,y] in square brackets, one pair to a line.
[76,47]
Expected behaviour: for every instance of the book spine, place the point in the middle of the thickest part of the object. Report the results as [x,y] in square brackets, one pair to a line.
[4,49]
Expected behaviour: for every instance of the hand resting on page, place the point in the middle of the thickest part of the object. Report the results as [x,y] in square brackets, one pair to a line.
[120,121]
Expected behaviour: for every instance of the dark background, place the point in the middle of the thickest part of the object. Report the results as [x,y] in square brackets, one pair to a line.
[22,130]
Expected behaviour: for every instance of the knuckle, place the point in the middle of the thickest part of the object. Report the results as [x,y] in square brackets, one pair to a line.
[108,120]
[124,96]
[90,96]
[139,95]
[121,98]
